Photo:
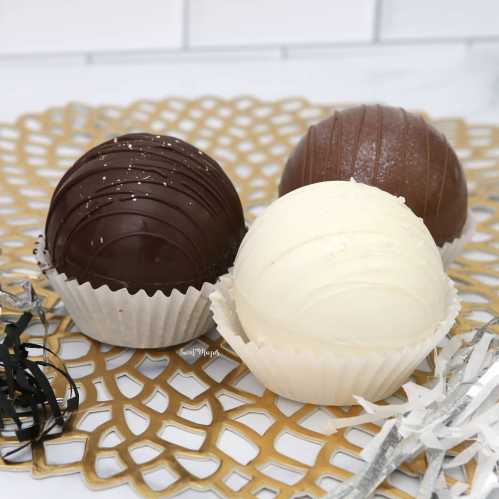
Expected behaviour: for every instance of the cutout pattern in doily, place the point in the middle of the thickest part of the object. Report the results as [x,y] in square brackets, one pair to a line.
[192,417]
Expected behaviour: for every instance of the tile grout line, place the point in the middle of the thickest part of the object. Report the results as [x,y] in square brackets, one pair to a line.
[284,50]
[186,10]
[378,7]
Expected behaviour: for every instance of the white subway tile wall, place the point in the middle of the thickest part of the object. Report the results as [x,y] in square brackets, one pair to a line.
[33,26]
[437,55]
[405,19]
[279,22]
[148,28]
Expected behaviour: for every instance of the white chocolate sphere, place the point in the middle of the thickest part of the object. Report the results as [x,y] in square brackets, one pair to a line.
[342,265]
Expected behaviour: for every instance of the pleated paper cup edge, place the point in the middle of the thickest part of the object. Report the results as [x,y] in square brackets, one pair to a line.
[276,366]
[453,249]
[84,296]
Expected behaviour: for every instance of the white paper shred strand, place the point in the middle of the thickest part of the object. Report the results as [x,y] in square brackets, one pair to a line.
[418,396]
[476,358]
[461,406]
[447,353]
[458,489]
[435,459]
[478,399]
[464,457]
[373,446]
[485,480]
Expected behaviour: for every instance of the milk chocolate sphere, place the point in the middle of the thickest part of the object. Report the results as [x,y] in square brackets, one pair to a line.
[392,149]
[144,212]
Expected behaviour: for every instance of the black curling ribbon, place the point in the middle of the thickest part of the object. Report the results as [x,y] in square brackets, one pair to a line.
[27,399]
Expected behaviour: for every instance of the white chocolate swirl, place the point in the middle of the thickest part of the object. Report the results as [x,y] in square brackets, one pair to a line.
[343,264]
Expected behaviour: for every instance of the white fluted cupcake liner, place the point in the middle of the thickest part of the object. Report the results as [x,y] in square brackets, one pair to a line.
[451,250]
[323,376]
[135,321]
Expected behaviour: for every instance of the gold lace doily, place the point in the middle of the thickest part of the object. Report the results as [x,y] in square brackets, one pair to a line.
[131,400]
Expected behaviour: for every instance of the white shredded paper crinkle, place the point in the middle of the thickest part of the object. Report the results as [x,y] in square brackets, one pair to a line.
[461,406]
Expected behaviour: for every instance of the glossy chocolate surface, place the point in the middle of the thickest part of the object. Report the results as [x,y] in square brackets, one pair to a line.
[145,212]
[392,149]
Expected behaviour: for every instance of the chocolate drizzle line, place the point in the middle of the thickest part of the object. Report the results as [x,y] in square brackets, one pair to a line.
[405,135]
[444,178]
[388,148]
[379,138]
[356,146]
[305,168]
[328,151]
[144,211]
[339,138]
[428,159]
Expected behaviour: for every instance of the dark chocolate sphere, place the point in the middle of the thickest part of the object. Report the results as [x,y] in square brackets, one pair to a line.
[389,148]
[144,212]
